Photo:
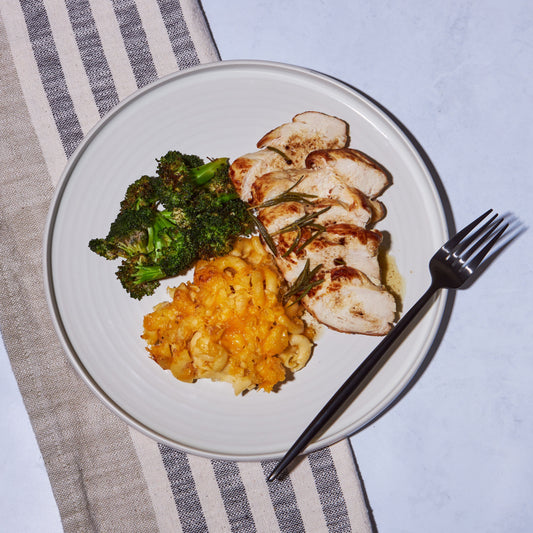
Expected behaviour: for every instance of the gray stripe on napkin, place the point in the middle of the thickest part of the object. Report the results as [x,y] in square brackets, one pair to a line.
[135,42]
[183,489]
[284,501]
[234,496]
[88,452]
[51,73]
[179,35]
[329,491]
[92,55]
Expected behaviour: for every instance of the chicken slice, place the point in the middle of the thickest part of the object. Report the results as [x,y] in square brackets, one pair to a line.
[348,245]
[278,216]
[307,132]
[349,302]
[338,245]
[247,168]
[281,215]
[275,183]
[353,167]
[323,185]
[337,212]
[294,140]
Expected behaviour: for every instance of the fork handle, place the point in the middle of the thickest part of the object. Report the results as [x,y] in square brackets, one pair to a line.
[352,384]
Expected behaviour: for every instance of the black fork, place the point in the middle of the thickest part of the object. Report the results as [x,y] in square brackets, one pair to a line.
[451,266]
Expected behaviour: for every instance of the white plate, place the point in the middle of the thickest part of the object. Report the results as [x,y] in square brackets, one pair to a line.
[222,109]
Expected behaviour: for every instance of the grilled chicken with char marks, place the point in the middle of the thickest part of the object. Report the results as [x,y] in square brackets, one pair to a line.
[316,199]
[321,184]
[338,245]
[287,146]
[348,301]
[306,133]
[353,167]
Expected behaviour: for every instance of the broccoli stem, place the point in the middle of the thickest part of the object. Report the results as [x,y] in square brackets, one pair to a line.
[204,173]
[148,273]
[157,240]
[227,197]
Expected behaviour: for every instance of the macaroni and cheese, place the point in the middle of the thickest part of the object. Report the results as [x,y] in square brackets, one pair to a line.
[230,324]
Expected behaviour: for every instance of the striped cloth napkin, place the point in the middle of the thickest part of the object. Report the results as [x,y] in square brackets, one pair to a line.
[64,65]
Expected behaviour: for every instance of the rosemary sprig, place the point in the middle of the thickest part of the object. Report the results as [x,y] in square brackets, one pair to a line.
[264,233]
[289,196]
[303,221]
[306,221]
[303,283]
[318,231]
[288,160]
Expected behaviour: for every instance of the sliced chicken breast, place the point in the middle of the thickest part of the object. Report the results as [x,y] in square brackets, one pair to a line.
[321,184]
[338,245]
[307,132]
[246,169]
[353,167]
[273,184]
[309,156]
[293,141]
[348,301]
[280,216]
[337,212]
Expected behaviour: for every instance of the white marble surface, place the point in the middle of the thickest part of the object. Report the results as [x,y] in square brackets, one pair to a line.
[455,453]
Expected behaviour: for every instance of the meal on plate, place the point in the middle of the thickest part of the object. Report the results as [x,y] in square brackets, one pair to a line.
[232,323]
[280,236]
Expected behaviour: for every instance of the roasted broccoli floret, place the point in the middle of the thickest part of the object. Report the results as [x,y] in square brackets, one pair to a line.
[183,179]
[214,171]
[169,251]
[141,193]
[217,229]
[188,211]
[161,233]
[127,235]
[183,166]
[175,164]
[177,259]
[138,276]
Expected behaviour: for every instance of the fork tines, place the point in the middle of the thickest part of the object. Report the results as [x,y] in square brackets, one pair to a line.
[463,246]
